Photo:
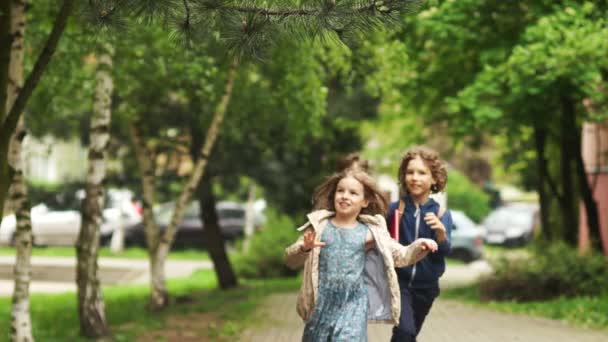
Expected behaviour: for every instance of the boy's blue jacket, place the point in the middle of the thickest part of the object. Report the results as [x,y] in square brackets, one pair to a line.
[426,272]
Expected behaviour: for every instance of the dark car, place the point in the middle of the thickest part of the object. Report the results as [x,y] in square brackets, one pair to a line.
[231,217]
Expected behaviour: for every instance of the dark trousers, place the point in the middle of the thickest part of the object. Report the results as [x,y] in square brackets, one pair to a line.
[415,305]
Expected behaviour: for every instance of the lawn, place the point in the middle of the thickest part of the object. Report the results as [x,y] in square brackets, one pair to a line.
[129,253]
[214,314]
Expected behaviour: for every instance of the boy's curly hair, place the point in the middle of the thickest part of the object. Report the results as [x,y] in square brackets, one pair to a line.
[324,194]
[352,161]
[430,157]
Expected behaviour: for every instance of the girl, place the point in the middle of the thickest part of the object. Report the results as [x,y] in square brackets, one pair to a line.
[343,286]
[421,173]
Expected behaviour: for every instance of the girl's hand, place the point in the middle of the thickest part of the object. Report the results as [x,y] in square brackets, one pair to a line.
[310,242]
[428,244]
[435,223]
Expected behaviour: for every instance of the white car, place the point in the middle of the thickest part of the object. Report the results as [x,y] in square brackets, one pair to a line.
[48,227]
[61,227]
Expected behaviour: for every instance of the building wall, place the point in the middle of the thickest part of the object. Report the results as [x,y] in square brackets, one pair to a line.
[595,155]
[53,161]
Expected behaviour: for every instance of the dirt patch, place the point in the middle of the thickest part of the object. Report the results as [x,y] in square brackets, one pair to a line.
[192,327]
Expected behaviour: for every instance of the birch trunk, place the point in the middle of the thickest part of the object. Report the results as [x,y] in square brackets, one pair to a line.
[91,308]
[159,298]
[9,118]
[21,325]
[144,157]
[5,65]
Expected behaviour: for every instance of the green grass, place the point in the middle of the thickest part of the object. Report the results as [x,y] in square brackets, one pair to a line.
[588,312]
[54,317]
[129,253]
[452,261]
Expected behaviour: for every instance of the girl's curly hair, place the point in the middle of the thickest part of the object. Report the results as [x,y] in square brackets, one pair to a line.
[324,194]
[430,157]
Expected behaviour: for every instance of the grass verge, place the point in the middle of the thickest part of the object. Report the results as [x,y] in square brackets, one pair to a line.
[54,317]
[587,312]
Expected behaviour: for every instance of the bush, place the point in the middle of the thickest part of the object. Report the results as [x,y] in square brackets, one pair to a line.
[265,256]
[466,196]
[551,271]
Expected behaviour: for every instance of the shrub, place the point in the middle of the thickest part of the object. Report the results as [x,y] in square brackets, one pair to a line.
[265,256]
[550,271]
[466,196]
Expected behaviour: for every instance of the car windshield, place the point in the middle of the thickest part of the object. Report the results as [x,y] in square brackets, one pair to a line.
[510,216]
[462,221]
[232,213]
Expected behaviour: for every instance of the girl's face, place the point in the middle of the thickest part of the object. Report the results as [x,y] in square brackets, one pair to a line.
[418,178]
[350,197]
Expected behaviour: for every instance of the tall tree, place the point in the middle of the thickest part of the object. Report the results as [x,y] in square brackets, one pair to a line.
[21,326]
[9,118]
[90,301]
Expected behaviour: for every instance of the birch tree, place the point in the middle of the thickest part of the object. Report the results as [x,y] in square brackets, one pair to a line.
[9,117]
[21,326]
[90,302]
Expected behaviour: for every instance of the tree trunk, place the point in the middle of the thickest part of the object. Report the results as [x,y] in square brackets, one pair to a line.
[159,296]
[213,236]
[567,200]
[8,122]
[540,137]
[21,325]
[6,45]
[593,222]
[90,302]
[249,218]
[166,240]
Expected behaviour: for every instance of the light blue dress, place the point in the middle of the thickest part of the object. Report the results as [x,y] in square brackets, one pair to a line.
[341,308]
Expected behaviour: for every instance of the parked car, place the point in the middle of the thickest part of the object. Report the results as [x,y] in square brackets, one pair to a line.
[512,224]
[467,238]
[60,226]
[231,217]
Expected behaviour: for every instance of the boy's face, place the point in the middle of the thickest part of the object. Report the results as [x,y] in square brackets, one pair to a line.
[418,178]
[350,197]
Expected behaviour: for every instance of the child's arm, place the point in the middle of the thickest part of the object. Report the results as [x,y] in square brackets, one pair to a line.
[297,253]
[407,255]
[443,231]
[404,255]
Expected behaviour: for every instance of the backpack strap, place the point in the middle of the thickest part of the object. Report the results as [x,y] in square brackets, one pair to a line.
[441,212]
[401,209]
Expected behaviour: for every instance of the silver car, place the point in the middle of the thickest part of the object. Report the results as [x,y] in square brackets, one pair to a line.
[52,227]
[512,224]
[467,238]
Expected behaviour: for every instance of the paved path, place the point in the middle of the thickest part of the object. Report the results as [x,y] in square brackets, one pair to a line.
[57,274]
[448,321]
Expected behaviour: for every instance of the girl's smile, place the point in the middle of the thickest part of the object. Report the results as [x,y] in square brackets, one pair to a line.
[349,198]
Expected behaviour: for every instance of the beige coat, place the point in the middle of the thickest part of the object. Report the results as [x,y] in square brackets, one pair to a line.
[379,274]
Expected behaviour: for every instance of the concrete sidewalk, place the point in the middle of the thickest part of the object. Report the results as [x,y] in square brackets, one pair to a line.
[448,321]
[57,274]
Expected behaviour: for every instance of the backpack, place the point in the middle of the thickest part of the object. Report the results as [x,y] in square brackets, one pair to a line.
[398,214]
